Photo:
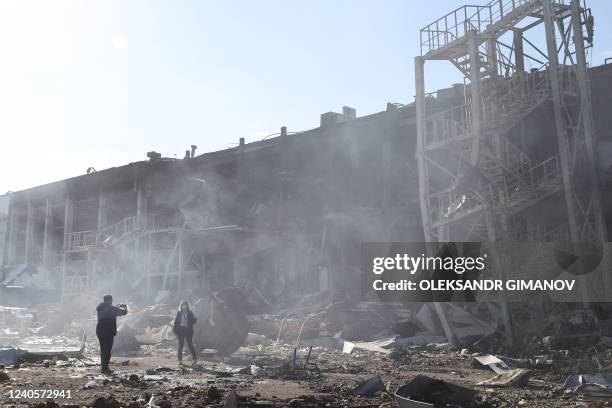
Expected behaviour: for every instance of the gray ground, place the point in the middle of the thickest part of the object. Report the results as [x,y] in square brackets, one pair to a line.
[327,381]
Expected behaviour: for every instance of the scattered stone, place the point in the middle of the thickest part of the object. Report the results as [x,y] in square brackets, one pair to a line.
[257,371]
[213,394]
[165,404]
[516,377]
[104,402]
[231,400]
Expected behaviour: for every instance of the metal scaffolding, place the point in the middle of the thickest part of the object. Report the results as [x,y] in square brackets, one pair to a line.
[475,184]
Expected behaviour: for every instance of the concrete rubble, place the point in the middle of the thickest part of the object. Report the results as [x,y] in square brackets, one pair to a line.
[290,358]
[265,240]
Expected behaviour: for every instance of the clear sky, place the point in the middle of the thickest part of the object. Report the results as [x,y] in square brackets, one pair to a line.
[100,83]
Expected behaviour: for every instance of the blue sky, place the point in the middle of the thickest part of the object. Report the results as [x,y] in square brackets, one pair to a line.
[100,83]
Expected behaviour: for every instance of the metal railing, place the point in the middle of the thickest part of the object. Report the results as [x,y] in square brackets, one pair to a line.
[119,230]
[503,155]
[453,26]
[558,234]
[74,284]
[125,229]
[502,8]
[158,222]
[456,24]
[535,182]
[513,156]
[452,123]
[447,205]
[505,100]
[80,239]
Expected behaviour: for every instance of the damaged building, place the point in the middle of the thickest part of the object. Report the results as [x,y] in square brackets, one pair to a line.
[266,239]
[284,215]
[514,154]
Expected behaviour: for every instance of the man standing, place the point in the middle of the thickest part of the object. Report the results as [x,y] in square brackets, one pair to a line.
[106,329]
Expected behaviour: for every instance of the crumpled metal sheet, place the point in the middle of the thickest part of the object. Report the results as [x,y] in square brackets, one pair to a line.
[596,386]
[225,327]
[424,392]
[493,363]
[9,355]
[19,269]
[13,355]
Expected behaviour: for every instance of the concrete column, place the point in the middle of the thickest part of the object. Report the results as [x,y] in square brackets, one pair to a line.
[564,151]
[386,166]
[519,55]
[180,266]
[141,216]
[586,111]
[102,214]
[492,57]
[28,232]
[492,235]
[102,210]
[9,241]
[241,174]
[323,267]
[141,201]
[204,283]
[419,66]
[68,219]
[46,231]
[90,267]
[147,264]
[475,88]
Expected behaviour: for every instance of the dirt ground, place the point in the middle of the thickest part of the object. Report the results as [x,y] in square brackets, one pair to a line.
[327,380]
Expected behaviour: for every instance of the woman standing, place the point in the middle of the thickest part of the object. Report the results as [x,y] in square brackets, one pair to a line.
[183,328]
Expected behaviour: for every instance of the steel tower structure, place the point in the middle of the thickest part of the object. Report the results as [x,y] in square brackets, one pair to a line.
[474,182]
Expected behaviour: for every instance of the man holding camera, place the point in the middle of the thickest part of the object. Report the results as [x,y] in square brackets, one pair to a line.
[106,329]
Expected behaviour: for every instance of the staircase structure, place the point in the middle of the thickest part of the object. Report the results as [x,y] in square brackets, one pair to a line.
[475,183]
[124,231]
[99,252]
[84,249]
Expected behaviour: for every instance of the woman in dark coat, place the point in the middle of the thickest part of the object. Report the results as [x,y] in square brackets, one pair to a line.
[183,328]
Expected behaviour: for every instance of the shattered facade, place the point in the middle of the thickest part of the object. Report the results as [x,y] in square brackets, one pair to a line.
[266,239]
[282,215]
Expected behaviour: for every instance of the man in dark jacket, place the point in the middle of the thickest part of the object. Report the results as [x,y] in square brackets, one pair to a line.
[106,329]
[183,328]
